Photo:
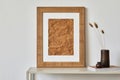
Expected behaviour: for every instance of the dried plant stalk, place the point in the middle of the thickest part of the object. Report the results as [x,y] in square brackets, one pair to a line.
[90,25]
[95,24]
[99,33]
[102,31]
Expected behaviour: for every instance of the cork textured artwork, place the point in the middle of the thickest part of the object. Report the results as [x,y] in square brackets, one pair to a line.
[60,38]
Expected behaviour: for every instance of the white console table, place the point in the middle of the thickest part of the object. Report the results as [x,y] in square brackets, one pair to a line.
[31,72]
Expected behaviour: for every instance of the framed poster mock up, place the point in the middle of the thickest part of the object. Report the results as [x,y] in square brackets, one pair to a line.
[60,37]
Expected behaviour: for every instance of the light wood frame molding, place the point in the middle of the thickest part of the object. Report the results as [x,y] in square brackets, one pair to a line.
[40,42]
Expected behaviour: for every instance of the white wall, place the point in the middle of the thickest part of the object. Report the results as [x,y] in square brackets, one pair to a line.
[18,35]
[17,38]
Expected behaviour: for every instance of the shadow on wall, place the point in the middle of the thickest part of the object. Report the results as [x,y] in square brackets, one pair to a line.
[87,50]
[118,58]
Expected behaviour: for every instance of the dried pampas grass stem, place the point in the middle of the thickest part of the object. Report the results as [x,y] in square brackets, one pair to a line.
[100,34]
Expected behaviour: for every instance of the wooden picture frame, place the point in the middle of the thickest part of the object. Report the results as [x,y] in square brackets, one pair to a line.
[60,37]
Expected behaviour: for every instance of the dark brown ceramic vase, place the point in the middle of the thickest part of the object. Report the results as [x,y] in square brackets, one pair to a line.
[105,60]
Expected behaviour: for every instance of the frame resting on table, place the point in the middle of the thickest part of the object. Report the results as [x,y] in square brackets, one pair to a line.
[60,37]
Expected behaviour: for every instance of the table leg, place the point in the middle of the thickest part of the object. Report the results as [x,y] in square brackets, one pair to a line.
[31,76]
